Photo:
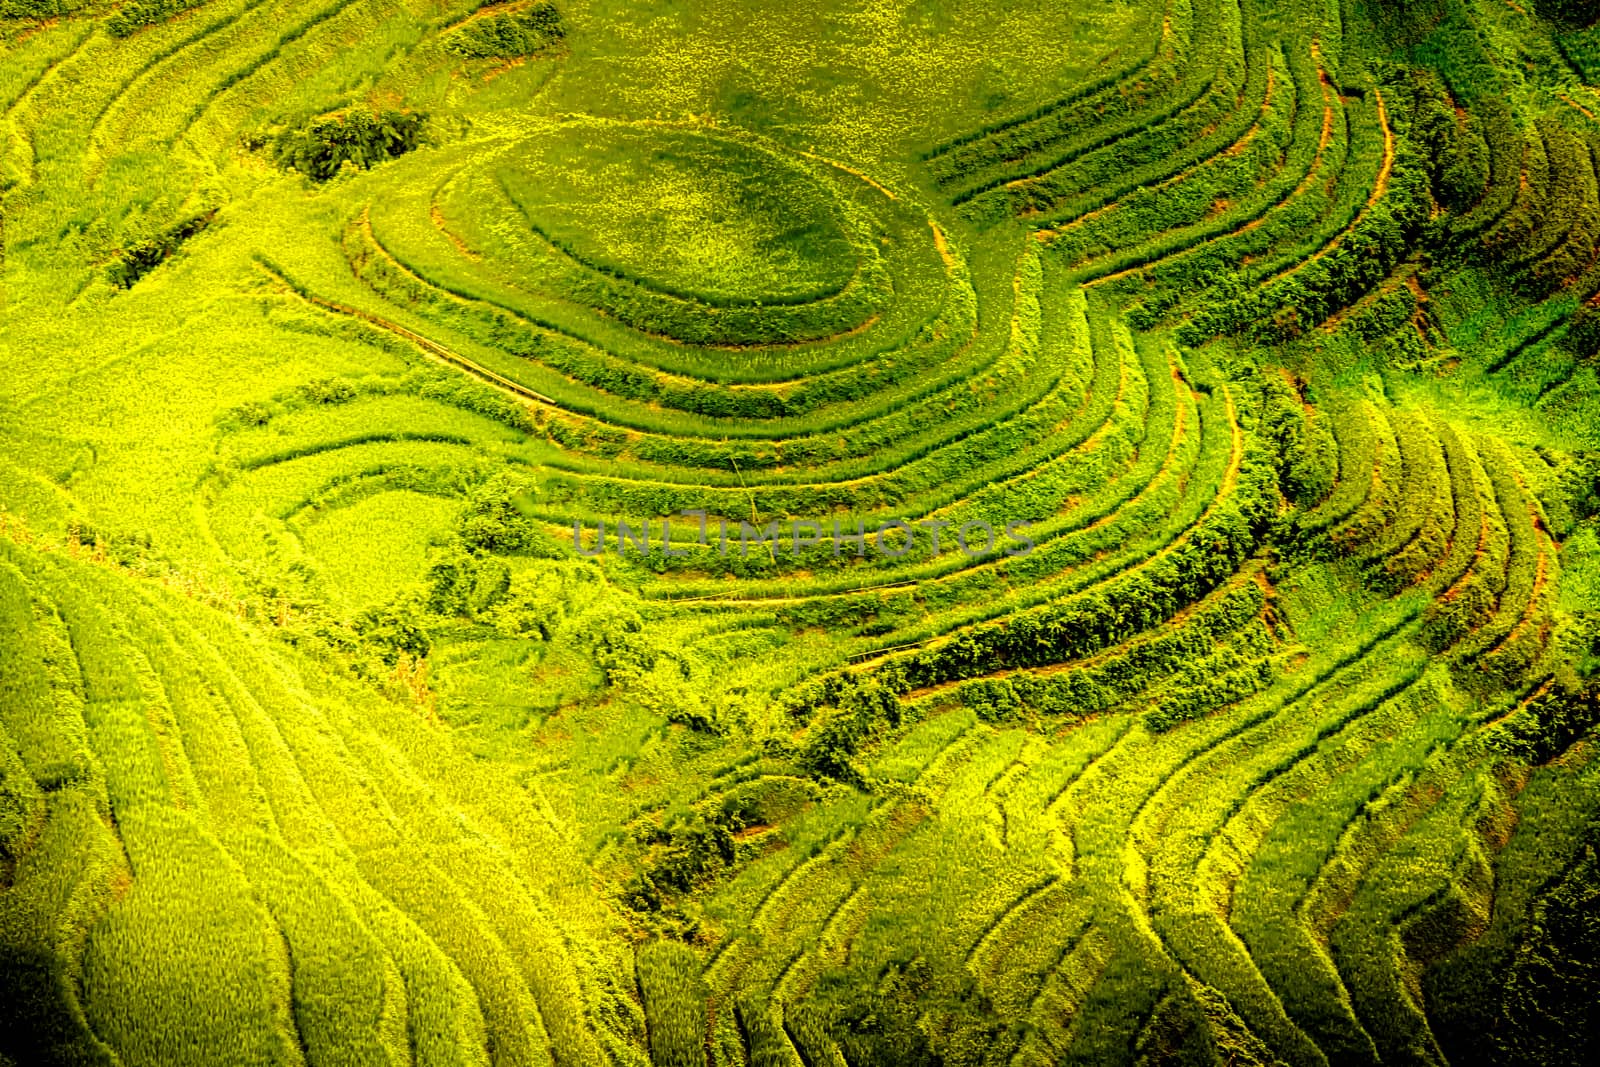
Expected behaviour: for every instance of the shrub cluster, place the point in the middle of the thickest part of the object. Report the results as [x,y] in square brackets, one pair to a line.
[1551,723]
[1296,302]
[507,34]
[320,148]
[1455,147]
[689,850]
[130,16]
[1214,657]
[1569,12]
[1308,456]
[847,710]
[37,9]
[140,259]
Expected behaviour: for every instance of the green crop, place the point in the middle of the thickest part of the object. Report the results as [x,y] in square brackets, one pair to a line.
[434,443]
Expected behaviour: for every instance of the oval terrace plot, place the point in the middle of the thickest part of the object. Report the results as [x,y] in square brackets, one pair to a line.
[686,214]
[683,234]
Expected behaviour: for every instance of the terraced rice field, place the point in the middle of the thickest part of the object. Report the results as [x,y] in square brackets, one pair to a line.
[735,533]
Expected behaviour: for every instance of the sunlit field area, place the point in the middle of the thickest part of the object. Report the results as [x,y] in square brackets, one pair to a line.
[838,533]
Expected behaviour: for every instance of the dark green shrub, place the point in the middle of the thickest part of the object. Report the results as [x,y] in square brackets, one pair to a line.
[320,148]
[1582,338]
[493,522]
[1457,154]
[131,15]
[135,261]
[1553,722]
[394,630]
[862,708]
[1569,12]
[992,699]
[1580,486]
[1307,455]
[504,35]
[37,9]
[328,391]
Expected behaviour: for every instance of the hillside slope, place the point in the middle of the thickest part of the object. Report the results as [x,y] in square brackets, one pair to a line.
[875,532]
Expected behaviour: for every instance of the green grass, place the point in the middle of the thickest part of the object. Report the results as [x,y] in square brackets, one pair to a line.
[390,532]
[634,203]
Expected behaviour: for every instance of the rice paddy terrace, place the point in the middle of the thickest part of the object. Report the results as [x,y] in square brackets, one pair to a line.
[741,533]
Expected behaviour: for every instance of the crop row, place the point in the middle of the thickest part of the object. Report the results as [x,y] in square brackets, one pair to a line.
[811,894]
[293,476]
[1551,230]
[1111,809]
[227,792]
[1315,144]
[1246,151]
[1195,74]
[1112,475]
[1356,430]
[1199,501]
[1363,181]
[1426,529]
[168,96]
[411,226]
[1027,392]
[1395,480]
[1509,640]
[1136,598]
[364,433]
[1302,232]
[1367,252]
[1111,679]
[1422,897]
[614,388]
[1063,567]
[681,317]
[1255,853]
[1193,113]
[1133,516]
[1219,769]
[926,275]
[1123,89]
[1362,744]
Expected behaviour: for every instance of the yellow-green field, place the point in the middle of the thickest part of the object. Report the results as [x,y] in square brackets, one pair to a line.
[834,534]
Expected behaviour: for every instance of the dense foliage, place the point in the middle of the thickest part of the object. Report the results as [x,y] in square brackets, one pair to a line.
[324,145]
[506,34]
[130,15]
[137,260]
[1569,12]
[36,9]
